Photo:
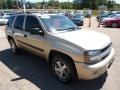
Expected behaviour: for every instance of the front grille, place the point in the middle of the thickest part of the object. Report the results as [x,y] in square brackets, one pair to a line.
[108,48]
[103,50]
[105,56]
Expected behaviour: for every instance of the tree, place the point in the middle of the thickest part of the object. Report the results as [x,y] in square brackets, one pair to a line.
[54,3]
[92,4]
[66,5]
[5,4]
[110,5]
[28,5]
[1,4]
[76,4]
[51,2]
[10,4]
[16,2]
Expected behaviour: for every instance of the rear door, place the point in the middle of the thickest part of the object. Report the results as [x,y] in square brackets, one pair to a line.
[18,30]
[9,27]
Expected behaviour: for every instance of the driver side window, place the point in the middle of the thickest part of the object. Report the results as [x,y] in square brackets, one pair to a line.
[32,25]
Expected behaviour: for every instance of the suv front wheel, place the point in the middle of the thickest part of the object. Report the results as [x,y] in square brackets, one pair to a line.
[62,68]
[13,46]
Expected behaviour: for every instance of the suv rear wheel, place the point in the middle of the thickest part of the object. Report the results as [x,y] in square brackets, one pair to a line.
[62,68]
[13,46]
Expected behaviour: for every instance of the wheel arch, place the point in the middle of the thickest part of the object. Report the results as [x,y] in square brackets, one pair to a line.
[52,53]
[9,37]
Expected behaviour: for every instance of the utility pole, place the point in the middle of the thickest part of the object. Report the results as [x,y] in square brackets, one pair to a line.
[23,4]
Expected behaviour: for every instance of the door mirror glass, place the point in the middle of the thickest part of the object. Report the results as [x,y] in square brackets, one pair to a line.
[36,31]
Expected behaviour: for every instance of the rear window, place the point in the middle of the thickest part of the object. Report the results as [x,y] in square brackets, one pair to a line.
[10,21]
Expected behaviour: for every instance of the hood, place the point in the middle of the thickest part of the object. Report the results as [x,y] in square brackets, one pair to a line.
[89,40]
[110,19]
[105,19]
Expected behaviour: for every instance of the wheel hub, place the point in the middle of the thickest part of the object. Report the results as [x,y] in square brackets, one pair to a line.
[61,69]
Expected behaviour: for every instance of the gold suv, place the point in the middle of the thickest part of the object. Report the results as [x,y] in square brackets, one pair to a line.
[70,51]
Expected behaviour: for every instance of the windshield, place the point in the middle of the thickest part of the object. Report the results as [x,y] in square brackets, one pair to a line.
[57,23]
[77,16]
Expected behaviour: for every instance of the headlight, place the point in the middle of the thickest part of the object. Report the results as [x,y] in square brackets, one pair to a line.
[93,53]
[90,54]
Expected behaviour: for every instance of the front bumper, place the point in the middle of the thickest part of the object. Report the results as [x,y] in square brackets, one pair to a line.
[80,23]
[91,71]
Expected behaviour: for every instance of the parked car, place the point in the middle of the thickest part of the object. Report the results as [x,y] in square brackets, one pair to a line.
[99,18]
[71,52]
[78,19]
[3,20]
[110,18]
[106,14]
[114,22]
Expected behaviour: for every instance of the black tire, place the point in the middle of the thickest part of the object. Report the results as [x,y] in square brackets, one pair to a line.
[114,25]
[13,46]
[70,69]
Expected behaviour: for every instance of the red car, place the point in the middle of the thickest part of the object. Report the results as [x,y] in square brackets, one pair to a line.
[115,22]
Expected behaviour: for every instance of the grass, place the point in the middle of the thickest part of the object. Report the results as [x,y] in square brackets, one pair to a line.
[95,12]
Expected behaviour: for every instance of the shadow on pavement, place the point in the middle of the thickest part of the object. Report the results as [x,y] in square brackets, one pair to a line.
[36,70]
[109,27]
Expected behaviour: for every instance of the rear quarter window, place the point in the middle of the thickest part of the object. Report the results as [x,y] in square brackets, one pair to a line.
[10,21]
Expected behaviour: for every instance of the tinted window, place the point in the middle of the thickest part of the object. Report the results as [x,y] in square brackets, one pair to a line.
[19,22]
[10,21]
[31,23]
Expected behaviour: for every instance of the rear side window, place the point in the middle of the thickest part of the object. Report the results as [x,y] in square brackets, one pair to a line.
[10,21]
[19,22]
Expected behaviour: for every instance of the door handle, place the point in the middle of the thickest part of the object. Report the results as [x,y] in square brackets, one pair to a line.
[25,35]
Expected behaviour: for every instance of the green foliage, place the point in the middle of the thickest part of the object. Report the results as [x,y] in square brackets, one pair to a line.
[53,3]
[92,4]
[10,3]
[66,5]
[76,4]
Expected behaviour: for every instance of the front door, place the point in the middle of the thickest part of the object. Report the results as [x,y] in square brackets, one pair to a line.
[34,34]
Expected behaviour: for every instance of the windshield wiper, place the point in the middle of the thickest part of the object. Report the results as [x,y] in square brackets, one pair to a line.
[75,28]
[70,29]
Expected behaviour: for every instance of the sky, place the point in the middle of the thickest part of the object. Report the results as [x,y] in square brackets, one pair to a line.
[118,1]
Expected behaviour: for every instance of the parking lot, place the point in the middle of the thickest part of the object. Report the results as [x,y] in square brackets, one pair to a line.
[29,72]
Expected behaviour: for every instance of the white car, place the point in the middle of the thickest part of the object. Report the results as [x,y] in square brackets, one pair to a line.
[3,20]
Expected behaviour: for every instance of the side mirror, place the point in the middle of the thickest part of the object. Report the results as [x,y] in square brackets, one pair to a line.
[36,31]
